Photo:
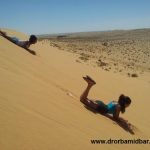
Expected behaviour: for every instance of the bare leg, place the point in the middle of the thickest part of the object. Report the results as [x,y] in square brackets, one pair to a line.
[84,97]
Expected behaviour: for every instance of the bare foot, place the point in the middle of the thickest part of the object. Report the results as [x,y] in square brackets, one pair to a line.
[89,80]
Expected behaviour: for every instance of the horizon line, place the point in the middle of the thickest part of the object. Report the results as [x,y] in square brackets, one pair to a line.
[109,30]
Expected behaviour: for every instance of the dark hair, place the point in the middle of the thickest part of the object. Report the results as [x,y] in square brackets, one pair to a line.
[123,100]
[32,39]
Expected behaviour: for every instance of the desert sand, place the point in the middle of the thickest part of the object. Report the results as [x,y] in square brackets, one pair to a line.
[40,107]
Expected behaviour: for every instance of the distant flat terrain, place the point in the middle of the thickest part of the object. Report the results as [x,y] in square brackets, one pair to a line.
[104,35]
[121,51]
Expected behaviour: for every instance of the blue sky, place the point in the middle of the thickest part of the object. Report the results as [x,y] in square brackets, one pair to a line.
[60,16]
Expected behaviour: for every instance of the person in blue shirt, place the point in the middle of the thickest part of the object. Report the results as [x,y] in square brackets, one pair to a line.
[113,107]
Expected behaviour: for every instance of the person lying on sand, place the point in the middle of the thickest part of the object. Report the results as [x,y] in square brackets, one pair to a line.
[24,44]
[113,107]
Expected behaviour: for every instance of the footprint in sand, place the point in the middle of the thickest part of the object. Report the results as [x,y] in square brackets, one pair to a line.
[71,95]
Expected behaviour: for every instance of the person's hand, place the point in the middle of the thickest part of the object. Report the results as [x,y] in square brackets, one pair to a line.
[30,51]
[2,33]
[33,52]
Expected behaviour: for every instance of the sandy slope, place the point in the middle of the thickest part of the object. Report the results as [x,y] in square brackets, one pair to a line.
[40,108]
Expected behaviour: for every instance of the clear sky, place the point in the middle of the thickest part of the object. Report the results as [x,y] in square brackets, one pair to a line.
[59,16]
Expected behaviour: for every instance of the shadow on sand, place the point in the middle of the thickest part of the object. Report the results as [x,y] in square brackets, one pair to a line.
[124,124]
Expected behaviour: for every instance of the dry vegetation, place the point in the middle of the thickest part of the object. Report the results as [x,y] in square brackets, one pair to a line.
[125,52]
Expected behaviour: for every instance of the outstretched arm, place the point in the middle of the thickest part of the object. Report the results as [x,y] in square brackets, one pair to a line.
[30,51]
[5,36]
[116,114]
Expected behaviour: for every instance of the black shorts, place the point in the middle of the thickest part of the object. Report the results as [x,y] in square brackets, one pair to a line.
[102,108]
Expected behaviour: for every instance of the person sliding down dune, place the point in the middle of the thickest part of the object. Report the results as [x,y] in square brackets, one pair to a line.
[24,44]
[113,107]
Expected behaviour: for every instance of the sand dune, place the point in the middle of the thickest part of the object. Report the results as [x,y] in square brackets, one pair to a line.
[40,107]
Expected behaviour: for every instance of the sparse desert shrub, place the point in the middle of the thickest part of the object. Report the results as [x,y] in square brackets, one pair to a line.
[101,63]
[106,69]
[78,61]
[105,43]
[84,58]
[134,75]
